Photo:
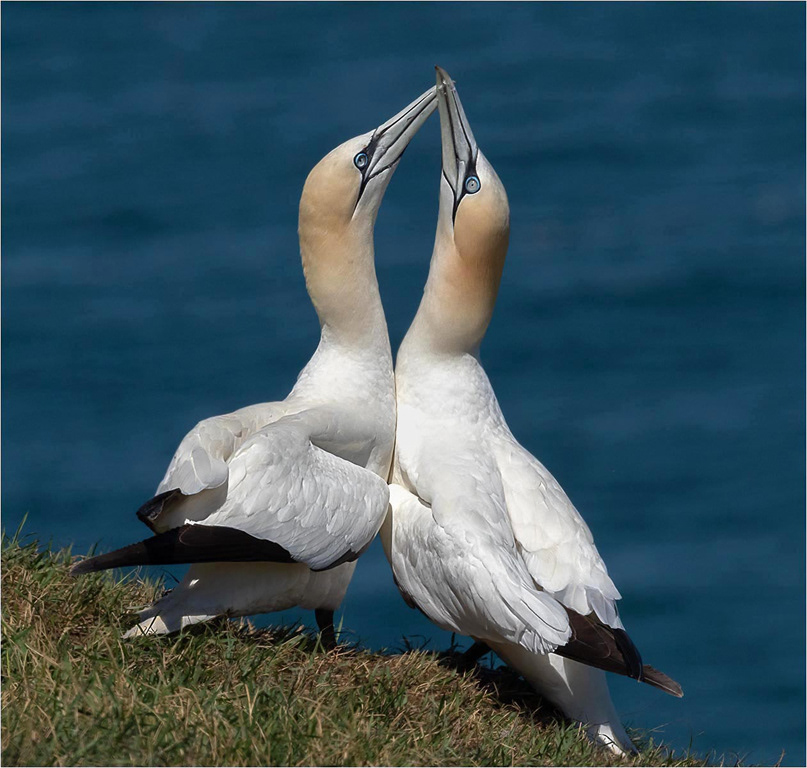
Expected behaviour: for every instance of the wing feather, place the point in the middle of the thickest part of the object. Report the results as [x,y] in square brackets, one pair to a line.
[554,540]
[316,505]
[285,500]
[467,580]
[197,479]
[189,544]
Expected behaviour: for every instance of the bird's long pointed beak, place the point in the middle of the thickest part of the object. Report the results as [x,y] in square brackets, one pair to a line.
[392,137]
[459,146]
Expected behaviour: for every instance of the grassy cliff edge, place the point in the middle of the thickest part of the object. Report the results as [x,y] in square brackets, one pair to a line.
[74,693]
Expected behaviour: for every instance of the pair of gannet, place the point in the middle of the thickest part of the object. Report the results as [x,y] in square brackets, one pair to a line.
[272,504]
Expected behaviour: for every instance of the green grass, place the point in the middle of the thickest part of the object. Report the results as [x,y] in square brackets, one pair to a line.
[226,694]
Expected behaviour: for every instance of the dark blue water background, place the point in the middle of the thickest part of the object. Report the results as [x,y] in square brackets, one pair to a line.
[648,344]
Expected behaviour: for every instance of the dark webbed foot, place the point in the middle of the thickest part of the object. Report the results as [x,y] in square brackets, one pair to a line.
[473,654]
[327,633]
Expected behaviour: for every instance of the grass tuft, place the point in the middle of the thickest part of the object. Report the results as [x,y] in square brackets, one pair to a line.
[74,693]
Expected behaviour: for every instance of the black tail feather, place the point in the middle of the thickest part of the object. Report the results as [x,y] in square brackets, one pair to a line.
[189,544]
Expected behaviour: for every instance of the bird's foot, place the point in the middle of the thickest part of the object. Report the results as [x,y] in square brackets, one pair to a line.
[327,633]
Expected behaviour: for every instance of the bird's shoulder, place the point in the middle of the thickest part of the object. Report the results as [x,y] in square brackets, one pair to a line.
[200,461]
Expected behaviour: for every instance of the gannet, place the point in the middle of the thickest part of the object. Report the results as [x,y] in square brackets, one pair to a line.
[480,536]
[273,503]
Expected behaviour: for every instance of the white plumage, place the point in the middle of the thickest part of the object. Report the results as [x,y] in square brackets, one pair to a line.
[480,536]
[284,488]
[288,494]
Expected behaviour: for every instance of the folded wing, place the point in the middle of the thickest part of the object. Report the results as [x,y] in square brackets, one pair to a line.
[554,540]
[282,488]
[467,581]
[287,500]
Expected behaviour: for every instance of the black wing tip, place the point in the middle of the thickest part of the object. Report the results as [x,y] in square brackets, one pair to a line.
[82,567]
[190,544]
[663,682]
[642,672]
[630,654]
[611,649]
[349,557]
[152,509]
[196,543]
[115,559]
[134,554]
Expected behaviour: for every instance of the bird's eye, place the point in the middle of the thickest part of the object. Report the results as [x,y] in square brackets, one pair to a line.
[472,185]
[361,160]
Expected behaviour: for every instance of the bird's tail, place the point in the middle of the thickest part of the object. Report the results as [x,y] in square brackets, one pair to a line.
[612,736]
[578,690]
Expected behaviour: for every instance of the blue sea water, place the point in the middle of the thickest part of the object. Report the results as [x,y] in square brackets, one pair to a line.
[648,344]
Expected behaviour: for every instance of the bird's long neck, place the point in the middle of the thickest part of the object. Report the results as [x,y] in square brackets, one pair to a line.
[339,268]
[458,299]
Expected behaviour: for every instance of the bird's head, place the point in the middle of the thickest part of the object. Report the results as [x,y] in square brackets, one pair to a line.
[346,187]
[473,201]
[473,226]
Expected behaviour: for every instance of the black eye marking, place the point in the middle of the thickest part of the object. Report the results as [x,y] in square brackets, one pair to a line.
[470,186]
[362,162]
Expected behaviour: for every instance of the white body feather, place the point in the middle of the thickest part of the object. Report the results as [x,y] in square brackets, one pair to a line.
[485,542]
[480,535]
[308,473]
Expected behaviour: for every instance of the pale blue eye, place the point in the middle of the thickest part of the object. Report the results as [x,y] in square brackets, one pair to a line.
[472,185]
[361,160]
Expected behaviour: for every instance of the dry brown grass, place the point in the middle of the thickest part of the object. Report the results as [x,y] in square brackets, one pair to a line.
[226,694]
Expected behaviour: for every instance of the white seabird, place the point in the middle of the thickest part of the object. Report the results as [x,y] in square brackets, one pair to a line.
[481,537]
[273,503]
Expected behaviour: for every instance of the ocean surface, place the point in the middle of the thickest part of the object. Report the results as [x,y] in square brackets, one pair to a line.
[649,340]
